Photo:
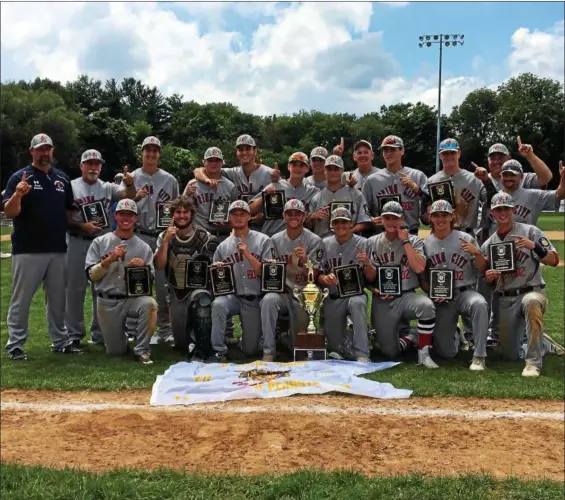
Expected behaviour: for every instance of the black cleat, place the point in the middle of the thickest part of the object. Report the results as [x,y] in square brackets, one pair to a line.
[68,349]
[17,354]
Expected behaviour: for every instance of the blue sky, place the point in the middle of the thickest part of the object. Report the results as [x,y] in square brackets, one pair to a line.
[282,57]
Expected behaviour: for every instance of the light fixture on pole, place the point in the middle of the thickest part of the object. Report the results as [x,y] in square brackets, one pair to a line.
[448,41]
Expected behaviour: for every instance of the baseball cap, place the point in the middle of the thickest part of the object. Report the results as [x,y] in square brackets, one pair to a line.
[245,140]
[393,208]
[213,152]
[392,141]
[334,160]
[319,152]
[239,204]
[501,199]
[441,206]
[512,167]
[449,145]
[498,148]
[151,140]
[40,140]
[341,213]
[118,176]
[91,154]
[294,204]
[298,156]
[126,205]
[362,142]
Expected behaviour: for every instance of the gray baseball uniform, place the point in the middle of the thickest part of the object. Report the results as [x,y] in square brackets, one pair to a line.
[317,184]
[359,177]
[386,183]
[447,254]
[113,305]
[386,315]
[249,186]
[163,187]
[520,295]
[274,305]
[305,193]
[246,301]
[530,181]
[78,244]
[352,199]
[336,309]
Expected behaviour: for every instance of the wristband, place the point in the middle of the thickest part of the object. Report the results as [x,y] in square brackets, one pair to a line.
[540,251]
[403,242]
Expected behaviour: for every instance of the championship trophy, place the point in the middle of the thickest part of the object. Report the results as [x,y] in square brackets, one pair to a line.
[310,345]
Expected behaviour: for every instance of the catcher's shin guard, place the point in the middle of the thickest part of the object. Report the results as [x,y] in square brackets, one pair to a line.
[201,322]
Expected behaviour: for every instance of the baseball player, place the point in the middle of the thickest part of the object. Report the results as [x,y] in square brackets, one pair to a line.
[157,188]
[450,249]
[351,198]
[191,309]
[396,247]
[363,156]
[204,195]
[395,180]
[317,162]
[106,260]
[341,249]
[243,250]
[88,190]
[38,198]
[521,292]
[294,188]
[295,246]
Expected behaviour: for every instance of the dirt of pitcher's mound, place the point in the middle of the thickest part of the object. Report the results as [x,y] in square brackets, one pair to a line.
[255,443]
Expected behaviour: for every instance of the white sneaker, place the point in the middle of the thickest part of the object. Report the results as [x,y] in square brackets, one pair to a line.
[478,364]
[363,359]
[553,347]
[335,355]
[155,339]
[5,255]
[530,371]
[425,359]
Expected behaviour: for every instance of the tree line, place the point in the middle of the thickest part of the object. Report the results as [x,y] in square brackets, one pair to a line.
[114,117]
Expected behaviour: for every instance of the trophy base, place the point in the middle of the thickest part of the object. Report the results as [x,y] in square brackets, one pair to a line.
[310,347]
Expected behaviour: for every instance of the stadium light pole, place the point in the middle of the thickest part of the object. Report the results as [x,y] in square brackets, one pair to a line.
[447,41]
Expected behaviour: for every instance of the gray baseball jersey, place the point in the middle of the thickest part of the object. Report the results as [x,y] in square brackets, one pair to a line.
[359,177]
[351,197]
[296,273]
[204,196]
[528,272]
[472,190]
[162,186]
[246,280]
[304,193]
[247,186]
[386,183]
[448,254]
[317,184]
[113,281]
[336,255]
[391,253]
[530,181]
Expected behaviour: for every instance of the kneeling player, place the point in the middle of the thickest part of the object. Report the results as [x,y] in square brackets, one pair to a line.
[521,292]
[449,249]
[191,309]
[106,260]
[396,248]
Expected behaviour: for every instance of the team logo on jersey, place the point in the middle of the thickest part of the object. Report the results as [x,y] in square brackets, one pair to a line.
[59,186]
[319,254]
[544,242]
[37,185]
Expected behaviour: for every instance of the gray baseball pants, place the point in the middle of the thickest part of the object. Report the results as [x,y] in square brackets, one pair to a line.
[29,271]
[335,315]
[470,305]
[77,282]
[112,315]
[273,306]
[249,311]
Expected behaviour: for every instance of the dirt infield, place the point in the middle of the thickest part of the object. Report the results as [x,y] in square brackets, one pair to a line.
[58,429]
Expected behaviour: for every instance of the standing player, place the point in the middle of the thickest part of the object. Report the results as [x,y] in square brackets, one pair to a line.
[317,162]
[295,246]
[244,250]
[88,189]
[38,198]
[294,188]
[449,249]
[107,258]
[396,247]
[363,156]
[191,309]
[522,299]
[159,187]
[344,248]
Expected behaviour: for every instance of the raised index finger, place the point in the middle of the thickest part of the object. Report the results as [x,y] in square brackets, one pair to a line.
[519,141]
[342,143]
[125,170]
[276,165]
[24,177]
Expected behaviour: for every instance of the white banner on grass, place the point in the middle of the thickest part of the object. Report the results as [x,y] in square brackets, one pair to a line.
[190,383]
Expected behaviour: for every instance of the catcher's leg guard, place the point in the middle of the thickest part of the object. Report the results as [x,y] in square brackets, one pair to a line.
[201,322]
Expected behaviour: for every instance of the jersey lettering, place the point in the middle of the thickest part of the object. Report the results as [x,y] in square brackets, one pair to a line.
[459,260]
[459,276]
[163,195]
[408,206]
[437,259]
[521,256]
[392,189]
[237,257]
[522,211]
[467,195]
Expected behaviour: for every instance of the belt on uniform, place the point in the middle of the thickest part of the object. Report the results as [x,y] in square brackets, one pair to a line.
[249,297]
[514,292]
[81,237]
[111,296]
[147,232]
[462,289]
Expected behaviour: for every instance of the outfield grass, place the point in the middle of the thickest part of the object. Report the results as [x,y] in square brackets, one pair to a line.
[31,483]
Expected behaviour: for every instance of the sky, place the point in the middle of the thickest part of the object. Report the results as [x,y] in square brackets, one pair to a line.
[273,58]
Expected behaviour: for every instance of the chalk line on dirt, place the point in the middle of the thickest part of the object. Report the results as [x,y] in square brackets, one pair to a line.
[315,409]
